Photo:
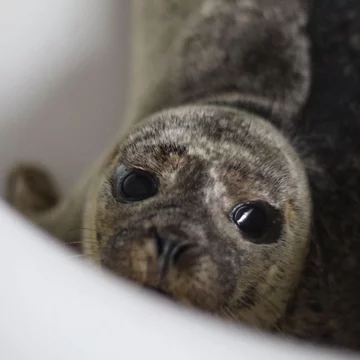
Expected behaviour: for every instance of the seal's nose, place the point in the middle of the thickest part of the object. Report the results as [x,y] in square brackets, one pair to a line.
[172,251]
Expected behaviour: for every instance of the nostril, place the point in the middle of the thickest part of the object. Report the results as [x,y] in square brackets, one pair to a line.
[172,251]
[160,244]
[164,246]
[179,251]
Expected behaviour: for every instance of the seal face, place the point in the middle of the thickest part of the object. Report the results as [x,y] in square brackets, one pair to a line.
[208,205]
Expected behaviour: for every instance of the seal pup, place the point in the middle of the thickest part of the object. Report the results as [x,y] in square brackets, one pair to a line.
[208,197]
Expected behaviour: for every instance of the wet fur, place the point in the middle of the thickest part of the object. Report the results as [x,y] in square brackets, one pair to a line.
[197,66]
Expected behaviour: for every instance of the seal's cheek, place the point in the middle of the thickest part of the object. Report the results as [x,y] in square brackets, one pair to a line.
[134,259]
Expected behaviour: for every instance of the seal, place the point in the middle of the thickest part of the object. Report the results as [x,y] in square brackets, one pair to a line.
[216,195]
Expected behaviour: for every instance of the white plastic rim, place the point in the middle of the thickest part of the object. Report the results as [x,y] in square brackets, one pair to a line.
[62,69]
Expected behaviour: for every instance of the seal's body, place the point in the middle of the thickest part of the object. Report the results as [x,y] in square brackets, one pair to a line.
[217,196]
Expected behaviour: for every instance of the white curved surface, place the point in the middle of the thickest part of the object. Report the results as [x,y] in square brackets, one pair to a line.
[62,69]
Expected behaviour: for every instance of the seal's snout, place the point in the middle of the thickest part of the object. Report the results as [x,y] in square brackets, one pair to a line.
[170,259]
[152,255]
[172,251]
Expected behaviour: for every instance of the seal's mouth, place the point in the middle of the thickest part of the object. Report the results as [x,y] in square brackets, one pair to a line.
[160,291]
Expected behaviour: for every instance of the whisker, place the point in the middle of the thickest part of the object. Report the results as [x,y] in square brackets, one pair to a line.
[230,314]
[74,243]
[84,228]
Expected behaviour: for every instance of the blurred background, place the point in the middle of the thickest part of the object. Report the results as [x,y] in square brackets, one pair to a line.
[63,81]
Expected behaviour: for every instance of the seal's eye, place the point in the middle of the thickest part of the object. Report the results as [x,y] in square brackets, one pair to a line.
[258,221]
[134,185]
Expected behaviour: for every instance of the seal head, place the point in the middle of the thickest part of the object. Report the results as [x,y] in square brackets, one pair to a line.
[209,205]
